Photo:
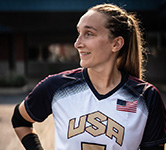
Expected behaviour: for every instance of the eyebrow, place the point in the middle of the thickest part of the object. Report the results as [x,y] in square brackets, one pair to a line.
[89,27]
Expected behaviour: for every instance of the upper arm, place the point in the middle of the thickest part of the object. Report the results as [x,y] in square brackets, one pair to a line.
[24,113]
[21,121]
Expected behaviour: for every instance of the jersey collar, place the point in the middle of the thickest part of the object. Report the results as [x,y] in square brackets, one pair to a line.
[100,96]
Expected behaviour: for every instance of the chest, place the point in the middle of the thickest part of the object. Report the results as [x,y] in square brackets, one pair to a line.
[82,117]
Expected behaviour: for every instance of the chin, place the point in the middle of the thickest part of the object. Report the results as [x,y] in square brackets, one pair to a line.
[84,65]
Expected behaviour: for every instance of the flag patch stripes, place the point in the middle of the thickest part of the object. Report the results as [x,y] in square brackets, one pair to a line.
[126,106]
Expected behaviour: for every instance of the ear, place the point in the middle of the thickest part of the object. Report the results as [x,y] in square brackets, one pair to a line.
[118,43]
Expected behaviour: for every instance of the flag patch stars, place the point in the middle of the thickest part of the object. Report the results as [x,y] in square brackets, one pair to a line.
[126,106]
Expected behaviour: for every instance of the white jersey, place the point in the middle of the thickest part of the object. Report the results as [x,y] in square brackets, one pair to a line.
[86,120]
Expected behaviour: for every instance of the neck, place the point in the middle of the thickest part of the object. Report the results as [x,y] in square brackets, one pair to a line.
[104,80]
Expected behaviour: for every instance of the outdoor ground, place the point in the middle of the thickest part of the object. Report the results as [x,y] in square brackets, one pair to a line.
[45,130]
[9,140]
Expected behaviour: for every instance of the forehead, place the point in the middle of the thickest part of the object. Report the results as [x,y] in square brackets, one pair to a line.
[92,18]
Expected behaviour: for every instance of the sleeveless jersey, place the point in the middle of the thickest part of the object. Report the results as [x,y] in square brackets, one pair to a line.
[129,116]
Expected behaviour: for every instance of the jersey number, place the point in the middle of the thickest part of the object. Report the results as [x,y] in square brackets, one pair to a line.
[92,146]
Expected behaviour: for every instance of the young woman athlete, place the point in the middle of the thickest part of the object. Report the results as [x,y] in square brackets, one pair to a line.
[105,105]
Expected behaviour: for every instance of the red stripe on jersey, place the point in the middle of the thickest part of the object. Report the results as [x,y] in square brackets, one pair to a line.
[135,79]
[77,70]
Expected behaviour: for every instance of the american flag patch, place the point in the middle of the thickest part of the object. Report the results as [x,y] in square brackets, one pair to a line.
[126,106]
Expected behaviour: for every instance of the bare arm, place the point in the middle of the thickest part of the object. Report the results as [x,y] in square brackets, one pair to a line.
[22,124]
[23,131]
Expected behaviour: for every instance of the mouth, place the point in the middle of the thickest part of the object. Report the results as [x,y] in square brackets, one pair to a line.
[84,53]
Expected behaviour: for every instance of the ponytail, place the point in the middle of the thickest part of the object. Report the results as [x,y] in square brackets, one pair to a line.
[130,59]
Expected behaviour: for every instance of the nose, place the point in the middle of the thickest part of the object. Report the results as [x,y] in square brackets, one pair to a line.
[78,43]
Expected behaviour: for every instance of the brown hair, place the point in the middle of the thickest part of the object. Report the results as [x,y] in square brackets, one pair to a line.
[120,23]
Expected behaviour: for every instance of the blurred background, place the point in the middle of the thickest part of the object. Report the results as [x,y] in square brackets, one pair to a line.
[37,36]
[36,39]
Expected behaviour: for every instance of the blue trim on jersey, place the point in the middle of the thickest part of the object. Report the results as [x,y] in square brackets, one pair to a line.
[100,96]
[42,95]
[155,130]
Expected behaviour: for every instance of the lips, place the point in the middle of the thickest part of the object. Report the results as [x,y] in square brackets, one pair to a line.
[84,53]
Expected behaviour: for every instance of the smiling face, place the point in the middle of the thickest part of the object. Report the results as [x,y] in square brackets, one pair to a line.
[93,43]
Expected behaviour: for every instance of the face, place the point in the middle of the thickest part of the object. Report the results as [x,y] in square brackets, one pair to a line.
[93,43]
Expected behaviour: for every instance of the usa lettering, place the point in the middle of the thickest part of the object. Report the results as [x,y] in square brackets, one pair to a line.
[96,128]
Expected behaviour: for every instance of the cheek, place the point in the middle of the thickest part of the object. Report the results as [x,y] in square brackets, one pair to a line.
[103,46]
[99,46]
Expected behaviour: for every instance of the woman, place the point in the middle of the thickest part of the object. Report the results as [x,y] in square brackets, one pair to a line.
[104,105]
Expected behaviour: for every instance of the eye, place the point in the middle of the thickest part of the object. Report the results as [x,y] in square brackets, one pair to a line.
[89,34]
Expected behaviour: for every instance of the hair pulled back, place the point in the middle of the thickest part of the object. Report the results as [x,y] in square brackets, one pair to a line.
[120,23]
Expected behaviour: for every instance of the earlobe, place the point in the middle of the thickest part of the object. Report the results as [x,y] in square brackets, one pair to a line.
[118,43]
